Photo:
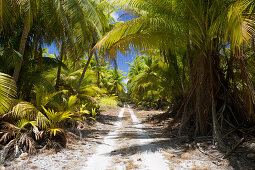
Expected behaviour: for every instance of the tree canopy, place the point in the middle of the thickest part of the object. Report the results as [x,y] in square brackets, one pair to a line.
[195,59]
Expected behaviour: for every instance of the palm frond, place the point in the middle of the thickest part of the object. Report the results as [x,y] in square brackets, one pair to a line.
[7,92]
[9,14]
[55,118]
[24,109]
[72,100]
[140,33]
[54,131]
[42,120]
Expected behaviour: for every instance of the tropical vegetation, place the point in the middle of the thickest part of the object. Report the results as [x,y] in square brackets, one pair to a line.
[207,48]
[195,57]
[43,95]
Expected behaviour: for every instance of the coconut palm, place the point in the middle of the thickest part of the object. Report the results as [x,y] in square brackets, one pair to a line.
[198,31]
[9,15]
[84,19]
[150,81]
[117,84]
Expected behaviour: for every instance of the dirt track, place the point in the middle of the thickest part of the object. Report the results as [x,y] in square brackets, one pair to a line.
[120,141]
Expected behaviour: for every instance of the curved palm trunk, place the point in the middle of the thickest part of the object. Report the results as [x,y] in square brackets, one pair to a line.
[21,51]
[98,71]
[59,68]
[40,56]
[84,71]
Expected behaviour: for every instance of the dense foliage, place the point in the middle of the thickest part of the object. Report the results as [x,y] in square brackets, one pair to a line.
[149,82]
[207,48]
[50,93]
[196,58]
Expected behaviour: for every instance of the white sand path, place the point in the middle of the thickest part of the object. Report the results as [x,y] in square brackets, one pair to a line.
[151,160]
[103,160]
[130,144]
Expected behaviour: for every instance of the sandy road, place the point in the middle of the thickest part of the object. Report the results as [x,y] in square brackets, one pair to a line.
[120,141]
[107,152]
[101,159]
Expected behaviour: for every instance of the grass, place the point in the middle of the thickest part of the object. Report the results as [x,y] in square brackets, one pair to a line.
[108,102]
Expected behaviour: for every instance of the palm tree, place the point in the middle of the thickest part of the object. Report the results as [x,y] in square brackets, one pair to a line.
[29,8]
[197,30]
[150,80]
[117,84]
[9,15]
[101,8]
[84,19]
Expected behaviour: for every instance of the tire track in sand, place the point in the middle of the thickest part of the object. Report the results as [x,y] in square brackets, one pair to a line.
[150,160]
[101,160]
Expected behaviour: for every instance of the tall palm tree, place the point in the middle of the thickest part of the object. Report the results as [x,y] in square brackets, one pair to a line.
[198,30]
[29,8]
[150,80]
[101,9]
[116,79]
[84,19]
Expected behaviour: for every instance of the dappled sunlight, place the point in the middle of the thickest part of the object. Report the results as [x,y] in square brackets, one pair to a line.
[127,84]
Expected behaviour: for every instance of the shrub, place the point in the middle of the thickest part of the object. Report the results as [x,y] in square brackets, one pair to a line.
[108,101]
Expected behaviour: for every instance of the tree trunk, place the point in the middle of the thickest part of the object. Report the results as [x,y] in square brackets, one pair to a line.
[84,71]
[98,71]
[204,82]
[248,90]
[189,55]
[21,51]
[59,68]
[36,48]
[39,58]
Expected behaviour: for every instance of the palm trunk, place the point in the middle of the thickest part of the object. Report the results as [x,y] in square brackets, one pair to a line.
[98,71]
[84,71]
[36,48]
[204,83]
[59,68]
[21,51]
[189,57]
[40,62]
[248,89]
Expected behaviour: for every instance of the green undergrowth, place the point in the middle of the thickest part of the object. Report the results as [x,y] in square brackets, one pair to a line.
[108,101]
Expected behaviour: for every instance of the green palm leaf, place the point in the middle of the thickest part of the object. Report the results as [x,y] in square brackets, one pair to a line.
[7,92]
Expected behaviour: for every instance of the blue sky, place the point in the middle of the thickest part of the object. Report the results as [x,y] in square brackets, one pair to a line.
[121,59]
